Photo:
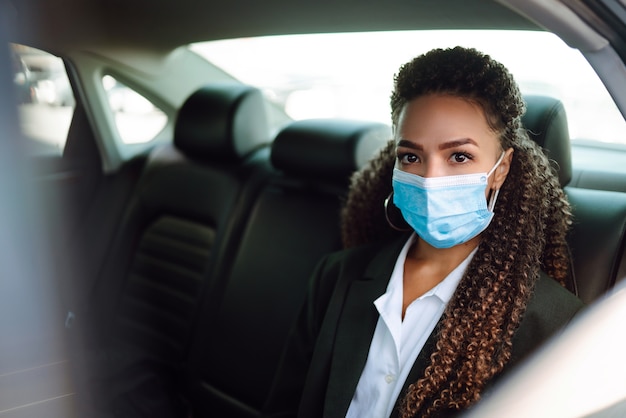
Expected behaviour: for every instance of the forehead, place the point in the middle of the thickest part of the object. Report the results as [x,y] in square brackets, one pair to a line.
[442,118]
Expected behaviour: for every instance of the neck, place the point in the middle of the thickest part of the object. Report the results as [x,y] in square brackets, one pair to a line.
[453,256]
[426,266]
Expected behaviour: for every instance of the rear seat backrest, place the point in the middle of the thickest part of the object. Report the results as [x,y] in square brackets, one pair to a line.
[293,223]
[546,122]
[597,238]
[188,202]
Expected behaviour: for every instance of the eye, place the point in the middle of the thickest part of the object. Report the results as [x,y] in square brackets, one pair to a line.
[408,158]
[460,157]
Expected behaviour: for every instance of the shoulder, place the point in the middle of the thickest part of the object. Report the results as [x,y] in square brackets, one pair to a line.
[550,308]
[336,271]
[360,259]
[552,304]
[343,267]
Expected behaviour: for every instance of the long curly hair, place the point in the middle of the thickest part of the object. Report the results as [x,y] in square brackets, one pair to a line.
[527,233]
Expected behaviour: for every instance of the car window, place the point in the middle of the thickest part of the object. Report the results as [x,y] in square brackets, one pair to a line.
[137,119]
[45,99]
[351,75]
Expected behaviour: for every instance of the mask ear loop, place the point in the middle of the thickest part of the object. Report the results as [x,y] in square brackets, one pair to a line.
[389,219]
[492,200]
[497,164]
[494,194]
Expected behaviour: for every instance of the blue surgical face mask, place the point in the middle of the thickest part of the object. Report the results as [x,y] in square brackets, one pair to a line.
[445,211]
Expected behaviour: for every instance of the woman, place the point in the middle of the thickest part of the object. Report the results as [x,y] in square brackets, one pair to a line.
[420,323]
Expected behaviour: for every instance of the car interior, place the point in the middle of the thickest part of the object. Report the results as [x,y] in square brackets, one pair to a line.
[176,267]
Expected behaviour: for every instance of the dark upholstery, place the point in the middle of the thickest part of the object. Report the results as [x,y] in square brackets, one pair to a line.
[293,223]
[326,148]
[546,122]
[183,206]
[222,122]
[597,240]
[185,215]
[597,237]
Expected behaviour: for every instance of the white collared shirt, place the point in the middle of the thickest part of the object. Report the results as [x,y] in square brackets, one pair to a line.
[397,343]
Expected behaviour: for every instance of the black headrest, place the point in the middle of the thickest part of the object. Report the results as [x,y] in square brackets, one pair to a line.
[327,148]
[546,123]
[222,122]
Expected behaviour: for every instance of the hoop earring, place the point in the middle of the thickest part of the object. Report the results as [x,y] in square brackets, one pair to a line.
[386,204]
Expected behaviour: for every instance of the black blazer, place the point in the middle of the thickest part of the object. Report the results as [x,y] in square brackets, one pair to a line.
[328,347]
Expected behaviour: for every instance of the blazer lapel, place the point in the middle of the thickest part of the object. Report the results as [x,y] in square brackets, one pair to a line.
[355,329]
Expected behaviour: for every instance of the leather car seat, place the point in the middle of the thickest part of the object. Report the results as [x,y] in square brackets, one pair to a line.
[179,226]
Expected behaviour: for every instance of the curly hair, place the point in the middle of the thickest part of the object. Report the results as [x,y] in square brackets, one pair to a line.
[527,233]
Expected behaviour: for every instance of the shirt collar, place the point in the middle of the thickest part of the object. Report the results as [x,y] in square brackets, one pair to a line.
[443,291]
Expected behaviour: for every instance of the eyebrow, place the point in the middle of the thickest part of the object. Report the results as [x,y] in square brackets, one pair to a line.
[446,145]
[457,143]
[408,144]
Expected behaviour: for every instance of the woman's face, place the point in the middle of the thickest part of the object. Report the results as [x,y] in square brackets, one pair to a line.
[439,135]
